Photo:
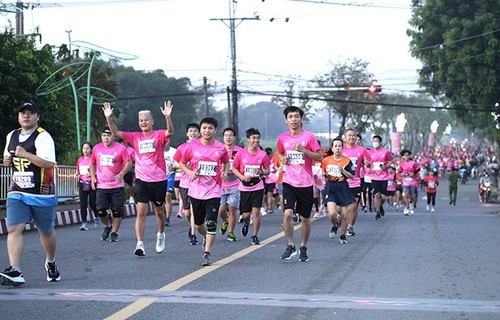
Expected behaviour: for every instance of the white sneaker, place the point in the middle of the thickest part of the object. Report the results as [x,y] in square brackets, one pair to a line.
[432,209]
[406,211]
[263,212]
[427,208]
[84,227]
[411,211]
[131,200]
[139,249]
[160,242]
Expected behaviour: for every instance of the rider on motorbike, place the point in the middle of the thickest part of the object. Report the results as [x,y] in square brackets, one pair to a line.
[484,187]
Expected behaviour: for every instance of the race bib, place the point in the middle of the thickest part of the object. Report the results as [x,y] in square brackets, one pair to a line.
[354,161]
[295,157]
[252,170]
[107,160]
[408,179]
[333,170]
[377,166]
[368,179]
[24,179]
[146,146]
[390,183]
[207,168]
[84,170]
[431,185]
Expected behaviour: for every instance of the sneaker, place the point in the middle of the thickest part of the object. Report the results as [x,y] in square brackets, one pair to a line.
[231,236]
[105,233]
[255,240]
[296,218]
[289,253]
[263,212]
[382,211]
[432,209]
[53,274]
[316,215]
[139,249]
[270,211]
[179,214]
[342,239]
[114,237]
[350,231]
[96,223]
[223,227]
[333,232]
[303,254]
[427,208]
[160,242]
[11,278]
[240,219]
[193,241]
[244,229]
[378,216]
[411,211]
[131,200]
[205,259]
[167,222]
[406,211]
[84,227]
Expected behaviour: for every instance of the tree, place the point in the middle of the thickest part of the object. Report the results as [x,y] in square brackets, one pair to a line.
[458,43]
[23,68]
[343,102]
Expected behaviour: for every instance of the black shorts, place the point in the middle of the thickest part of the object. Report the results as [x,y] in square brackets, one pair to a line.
[269,187]
[379,186]
[299,199]
[356,192]
[110,199]
[150,191]
[129,178]
[205,210]
[251,199]
[177,183]
[186,200]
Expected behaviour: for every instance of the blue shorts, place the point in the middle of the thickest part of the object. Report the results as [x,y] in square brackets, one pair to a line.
[170,183]
[18,212]
[230,197]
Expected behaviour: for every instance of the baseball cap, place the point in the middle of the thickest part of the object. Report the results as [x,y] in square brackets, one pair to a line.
[29,105]
[106,130]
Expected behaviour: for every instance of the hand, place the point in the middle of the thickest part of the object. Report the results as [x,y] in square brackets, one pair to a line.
[167,108]
[20,152]
[298,147]
[108,111]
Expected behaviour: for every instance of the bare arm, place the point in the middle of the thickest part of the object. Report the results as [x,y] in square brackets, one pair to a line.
[108,113]
[33,158]
[167,111]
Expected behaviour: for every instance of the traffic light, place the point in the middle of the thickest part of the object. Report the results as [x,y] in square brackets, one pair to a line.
[373,89]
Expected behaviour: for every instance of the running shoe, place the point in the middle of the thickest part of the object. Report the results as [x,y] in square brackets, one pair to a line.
[350,231]
[139,249]
[205,259]
[432,209]
[382,211]
[303,254]
[223,227]
[167,222]
[289,253]
[411,211]
[160,242]
[244,229]
[96,223]
[427,207]
[114,237]
[11,277]
[255,240]
[84,227]
[231,236]
[105,233]
[342,239]
[193,241]
[53,274]
[378,216]
[333,232]
[406,211]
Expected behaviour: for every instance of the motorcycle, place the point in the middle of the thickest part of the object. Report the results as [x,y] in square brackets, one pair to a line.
[485,190]
[463,175]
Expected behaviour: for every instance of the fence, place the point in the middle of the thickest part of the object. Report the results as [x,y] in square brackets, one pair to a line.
[66,182]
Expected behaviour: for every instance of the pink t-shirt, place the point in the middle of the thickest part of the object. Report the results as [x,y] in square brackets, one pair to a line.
[378,158]
[298,172]
[232,180]
[149,161]
[247,164]
[109,162]
[83,169]
[407,170]
[208,162]
[184,178]
[391,184]
[357,156]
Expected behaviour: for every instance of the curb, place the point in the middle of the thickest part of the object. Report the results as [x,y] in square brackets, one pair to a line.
[69,217]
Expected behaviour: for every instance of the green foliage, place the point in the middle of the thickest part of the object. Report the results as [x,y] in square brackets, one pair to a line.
[23,68]
[458,43]
[140,90]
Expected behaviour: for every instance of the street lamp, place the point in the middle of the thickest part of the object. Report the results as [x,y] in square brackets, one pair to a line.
[68,31]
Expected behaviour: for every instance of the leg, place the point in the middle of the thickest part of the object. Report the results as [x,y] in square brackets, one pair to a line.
[140,220]
[15,244]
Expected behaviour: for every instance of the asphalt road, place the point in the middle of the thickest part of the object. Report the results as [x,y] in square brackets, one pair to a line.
[444,265]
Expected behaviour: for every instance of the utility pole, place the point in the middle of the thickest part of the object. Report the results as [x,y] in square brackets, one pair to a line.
[19,19]
[205,91]
[233,115]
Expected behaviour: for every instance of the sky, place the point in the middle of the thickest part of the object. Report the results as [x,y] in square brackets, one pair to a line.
[187,38]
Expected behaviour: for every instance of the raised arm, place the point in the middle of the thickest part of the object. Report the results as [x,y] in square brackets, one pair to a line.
[108,113]
[167,111]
